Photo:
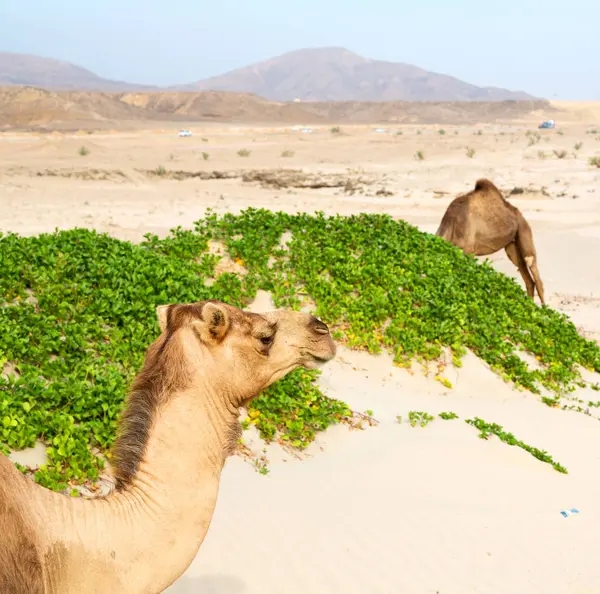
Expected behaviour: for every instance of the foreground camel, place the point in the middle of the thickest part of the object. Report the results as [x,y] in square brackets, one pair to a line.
[483,222]
[179,425]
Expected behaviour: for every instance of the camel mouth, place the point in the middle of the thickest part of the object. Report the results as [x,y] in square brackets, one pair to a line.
[317,361]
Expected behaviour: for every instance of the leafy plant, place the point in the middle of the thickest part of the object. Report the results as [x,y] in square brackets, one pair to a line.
[419,417]
[448,416]
[441,132]
[419,156]
[595,161]
[487,429]
[295,410]
[160,171]
[79,314]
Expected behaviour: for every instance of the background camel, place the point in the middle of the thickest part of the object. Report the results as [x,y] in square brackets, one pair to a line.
[483,222]
[179,425]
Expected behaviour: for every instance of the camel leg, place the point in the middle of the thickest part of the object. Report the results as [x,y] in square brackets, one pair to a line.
[532,263]
[512,251]
[525,245]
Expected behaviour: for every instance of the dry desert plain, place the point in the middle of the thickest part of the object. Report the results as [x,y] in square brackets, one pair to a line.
[390,509]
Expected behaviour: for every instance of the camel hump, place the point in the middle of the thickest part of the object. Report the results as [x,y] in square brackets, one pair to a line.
[485,185]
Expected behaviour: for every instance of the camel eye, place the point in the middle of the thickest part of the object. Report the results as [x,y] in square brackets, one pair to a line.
[267,340]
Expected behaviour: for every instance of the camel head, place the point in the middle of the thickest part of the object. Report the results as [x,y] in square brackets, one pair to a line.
[245,352]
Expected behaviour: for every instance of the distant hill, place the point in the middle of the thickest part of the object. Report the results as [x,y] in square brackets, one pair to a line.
[318,74]
[25,107]
[26,69]
[336,74]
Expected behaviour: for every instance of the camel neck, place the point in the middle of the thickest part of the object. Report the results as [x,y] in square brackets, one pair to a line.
[146,535]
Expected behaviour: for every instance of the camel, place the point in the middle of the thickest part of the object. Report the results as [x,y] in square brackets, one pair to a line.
[483,222]
[179,424]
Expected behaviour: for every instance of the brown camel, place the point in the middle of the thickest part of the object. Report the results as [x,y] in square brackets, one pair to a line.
[179,425]
[483,222]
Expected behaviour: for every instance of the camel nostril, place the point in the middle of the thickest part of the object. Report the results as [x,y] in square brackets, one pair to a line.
[318,326]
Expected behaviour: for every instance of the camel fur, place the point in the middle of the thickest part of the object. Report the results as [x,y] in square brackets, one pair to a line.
[483,222]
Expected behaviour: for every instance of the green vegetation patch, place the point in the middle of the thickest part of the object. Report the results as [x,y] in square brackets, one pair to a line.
[77,313]
[487,429]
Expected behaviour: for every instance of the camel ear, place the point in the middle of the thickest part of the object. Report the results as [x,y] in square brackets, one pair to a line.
[161,313]
[214,325]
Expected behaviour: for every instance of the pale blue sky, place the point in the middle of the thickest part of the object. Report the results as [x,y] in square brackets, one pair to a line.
[548,48]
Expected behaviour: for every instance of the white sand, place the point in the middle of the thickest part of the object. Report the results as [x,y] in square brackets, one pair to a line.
[420,510]
[391,509]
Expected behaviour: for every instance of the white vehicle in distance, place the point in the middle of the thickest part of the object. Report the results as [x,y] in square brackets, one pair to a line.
[183,133]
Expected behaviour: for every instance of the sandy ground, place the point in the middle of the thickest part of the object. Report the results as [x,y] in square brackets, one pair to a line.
[391,508]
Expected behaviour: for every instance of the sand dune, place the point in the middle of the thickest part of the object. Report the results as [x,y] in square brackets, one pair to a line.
[390,508]
[419,510]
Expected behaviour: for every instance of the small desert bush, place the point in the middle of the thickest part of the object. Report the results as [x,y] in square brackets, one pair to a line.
[84,151]
[335,130]
[287,154]
[441,132]
[541,155]
[595,161]
[160,171]
[419,156]
[561,154]
[205,156]
[244,152]
[578,146]
[470,152]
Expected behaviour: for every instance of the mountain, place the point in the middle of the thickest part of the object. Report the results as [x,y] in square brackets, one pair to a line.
[336,74]
[318,74]
[26,69]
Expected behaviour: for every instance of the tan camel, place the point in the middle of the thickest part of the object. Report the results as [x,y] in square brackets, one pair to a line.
[179,425]
[483,222]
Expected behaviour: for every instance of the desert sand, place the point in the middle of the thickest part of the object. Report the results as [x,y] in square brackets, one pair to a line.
[391,508]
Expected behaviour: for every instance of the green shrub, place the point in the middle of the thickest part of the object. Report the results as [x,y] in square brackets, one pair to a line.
[79,314]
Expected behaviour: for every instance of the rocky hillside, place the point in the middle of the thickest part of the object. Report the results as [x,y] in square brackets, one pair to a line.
[336,74]
[29,107]
[25,69]
[318,74]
